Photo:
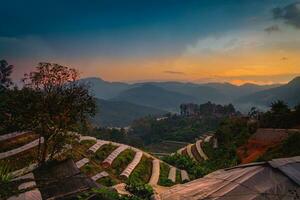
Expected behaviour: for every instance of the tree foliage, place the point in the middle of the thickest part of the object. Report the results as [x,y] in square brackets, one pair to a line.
[5,72]
[280,116]
[52,104]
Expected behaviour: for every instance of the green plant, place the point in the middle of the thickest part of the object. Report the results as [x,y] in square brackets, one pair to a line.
[105,194]
[107,181]
[5,176]
[142,172]
[104,151]
[120,163]
[143,191]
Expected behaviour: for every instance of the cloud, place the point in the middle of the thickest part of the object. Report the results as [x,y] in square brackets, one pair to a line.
[273,28]
[290,14]
[174,72]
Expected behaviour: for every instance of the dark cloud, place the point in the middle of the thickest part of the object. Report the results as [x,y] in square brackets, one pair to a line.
[290,14]
[284,58]
[271,29]
[174,72]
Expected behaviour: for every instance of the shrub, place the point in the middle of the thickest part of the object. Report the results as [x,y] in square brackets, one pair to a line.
[143,191]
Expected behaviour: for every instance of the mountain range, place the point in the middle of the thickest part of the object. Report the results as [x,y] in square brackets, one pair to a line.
[123,102]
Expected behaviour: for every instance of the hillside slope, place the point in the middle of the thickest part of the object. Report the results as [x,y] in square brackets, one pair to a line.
[154,96]
[104,89]
[201,93]
[105,162]
[121,113]
[289,93]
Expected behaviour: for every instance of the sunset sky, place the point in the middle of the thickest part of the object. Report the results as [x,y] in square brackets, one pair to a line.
[238,41]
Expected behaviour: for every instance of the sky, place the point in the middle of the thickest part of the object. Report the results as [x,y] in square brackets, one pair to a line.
[237,41]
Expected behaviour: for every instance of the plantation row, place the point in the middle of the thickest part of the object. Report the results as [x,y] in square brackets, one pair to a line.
[107,163]
[195,151]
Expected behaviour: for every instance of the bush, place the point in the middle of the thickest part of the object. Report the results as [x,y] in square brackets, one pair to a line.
[143,191]
[105,194]
[289,148]
[107,181]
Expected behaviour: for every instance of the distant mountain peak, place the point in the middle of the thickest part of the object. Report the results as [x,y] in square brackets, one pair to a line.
[295,81]
[94,78]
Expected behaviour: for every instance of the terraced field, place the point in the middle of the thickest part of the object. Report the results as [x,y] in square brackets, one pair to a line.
[195,151]
[105,162]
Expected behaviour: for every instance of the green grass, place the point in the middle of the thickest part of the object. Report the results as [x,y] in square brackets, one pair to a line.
[107,181]
[163,175]
[22,159]
[79,150]
[122,161]
[91,169]
[178,176]
[142,172]
[103,152]
[164,147]
[17,142]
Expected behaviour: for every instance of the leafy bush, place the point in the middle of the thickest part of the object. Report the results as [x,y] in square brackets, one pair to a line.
[143,191]
[107,181]
[105,194]
[163,175]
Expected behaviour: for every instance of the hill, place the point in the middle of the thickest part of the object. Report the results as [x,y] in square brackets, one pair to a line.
[168,95]
[104,89]
[289,93]
[121,113]
[233,92]
[201,93]
[154,96]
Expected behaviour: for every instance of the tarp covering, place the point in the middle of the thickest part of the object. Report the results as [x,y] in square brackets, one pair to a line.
[260,181]
[62,181]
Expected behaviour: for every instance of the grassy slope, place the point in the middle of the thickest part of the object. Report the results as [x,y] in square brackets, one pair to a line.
[142,172]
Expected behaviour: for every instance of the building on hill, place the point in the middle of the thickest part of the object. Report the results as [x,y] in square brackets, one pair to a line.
[276,179]
[207,109]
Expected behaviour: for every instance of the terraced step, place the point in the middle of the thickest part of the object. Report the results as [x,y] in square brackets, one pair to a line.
[29,195]
[136,160]
[184,176]
[96,146]
[100,175]
[155,172]
[108,161]
[189,151]
[215,143]
[82,162]
[196,154]
[27,185]
[84,137]
[26,176]
[11,135]
[200,151]
[208,138]
[172,174]
[180,150]
[21,149]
